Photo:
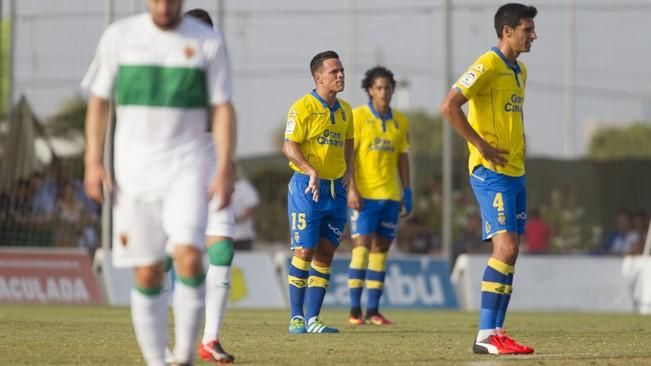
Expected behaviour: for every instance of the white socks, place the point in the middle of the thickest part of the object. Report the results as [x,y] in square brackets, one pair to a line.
[149,317]
[188,305]
[484,333]
[218,284]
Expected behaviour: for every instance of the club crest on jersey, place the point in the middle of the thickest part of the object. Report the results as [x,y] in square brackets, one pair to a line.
[124,239]
[501,218]
[468,79]
[291,125]
[189,52]
[488,227]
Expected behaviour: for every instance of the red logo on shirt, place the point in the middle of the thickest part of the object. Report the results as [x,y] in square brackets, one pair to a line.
[189,51]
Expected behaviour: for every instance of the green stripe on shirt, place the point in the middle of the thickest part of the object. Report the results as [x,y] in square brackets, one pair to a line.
[159,86]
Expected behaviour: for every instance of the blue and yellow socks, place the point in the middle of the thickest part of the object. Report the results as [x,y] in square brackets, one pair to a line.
[504,303]
[356,276]
[297,279]
[375,274]
[316,290]
[495,294]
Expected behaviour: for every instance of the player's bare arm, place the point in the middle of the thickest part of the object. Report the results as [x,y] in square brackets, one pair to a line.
[403,172]
[354,198]
[224,137]
[451,110]
[294,154]
[95,176]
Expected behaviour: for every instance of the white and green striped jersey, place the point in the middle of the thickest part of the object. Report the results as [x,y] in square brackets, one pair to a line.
[163,84]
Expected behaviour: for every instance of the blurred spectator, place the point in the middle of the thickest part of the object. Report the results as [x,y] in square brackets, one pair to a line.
[244,201]
[74,219]
[43,199]
[536,233]
[20,201]
[47,188]
[417,237]
[69,208]
[564,217]
[469,240]
[5,224]
[624,239]
[87,234]
[641,227]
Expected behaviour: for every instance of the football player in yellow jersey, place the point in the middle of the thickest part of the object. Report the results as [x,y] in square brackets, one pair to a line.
[319,147]
[382,178]
[494,85]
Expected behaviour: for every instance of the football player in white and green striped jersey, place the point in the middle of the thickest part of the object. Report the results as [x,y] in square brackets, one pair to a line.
[167,75]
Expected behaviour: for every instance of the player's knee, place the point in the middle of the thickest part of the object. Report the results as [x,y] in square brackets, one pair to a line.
[149,276]
[221,253]
[188,261]
[304,254]
[506,250]
[381,245]
[324,253]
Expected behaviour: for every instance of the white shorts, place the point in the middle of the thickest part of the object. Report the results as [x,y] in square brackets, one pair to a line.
[220,222]
[147,224]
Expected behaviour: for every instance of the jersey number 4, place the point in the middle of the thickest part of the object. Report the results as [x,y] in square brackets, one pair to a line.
[498,202]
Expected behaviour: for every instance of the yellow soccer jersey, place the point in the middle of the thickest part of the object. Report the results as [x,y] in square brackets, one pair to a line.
[379,141]
[495,90]
[321,133]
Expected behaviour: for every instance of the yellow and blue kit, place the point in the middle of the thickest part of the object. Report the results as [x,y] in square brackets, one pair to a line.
[495,90]
[321,133]
[379,141]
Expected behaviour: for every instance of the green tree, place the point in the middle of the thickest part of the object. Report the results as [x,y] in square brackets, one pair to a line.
[426,136]
[68,121]
[622,142]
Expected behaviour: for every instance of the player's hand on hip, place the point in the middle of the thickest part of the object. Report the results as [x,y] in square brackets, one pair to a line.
[221,188]
[95,179]
[354,199]
[313,186]
[492,154]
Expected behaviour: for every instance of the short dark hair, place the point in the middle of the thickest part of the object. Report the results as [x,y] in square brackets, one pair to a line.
[510,14]
[319,58]
[375,73]
[202,15]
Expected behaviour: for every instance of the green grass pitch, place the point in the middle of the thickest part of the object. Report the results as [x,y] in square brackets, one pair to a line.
[69,335]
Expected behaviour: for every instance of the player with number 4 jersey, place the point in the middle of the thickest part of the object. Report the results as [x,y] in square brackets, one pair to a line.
[494,87]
